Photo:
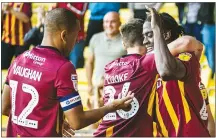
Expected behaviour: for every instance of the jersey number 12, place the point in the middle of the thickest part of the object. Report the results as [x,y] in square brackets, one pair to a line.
[22,118]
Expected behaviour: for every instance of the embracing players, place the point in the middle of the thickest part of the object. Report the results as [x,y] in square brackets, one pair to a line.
[138,74]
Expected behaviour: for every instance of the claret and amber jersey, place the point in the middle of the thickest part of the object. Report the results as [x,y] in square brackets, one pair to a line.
[181,104]
[43,84]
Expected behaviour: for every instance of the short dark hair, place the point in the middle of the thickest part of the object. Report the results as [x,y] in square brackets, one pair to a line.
[132,32]
[169,23]
[59,19]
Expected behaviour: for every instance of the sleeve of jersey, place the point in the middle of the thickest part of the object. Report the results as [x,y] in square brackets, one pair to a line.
[191,64]
[66,84]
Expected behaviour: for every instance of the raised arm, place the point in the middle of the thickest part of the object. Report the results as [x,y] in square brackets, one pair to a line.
[169,68]
[186,44]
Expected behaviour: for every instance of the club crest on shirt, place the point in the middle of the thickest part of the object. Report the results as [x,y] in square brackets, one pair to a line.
[75,81]
[185,56]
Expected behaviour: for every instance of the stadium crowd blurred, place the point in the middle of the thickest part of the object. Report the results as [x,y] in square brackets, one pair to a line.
[99,40]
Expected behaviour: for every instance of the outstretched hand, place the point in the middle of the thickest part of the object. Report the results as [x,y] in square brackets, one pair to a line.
[155,18]
[123,102]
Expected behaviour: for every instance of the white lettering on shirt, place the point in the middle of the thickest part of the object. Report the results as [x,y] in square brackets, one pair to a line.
[116,78]
[27,73]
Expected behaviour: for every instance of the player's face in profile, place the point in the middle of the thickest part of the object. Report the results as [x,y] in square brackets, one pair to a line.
[72,38]
[148,36]
[111,24]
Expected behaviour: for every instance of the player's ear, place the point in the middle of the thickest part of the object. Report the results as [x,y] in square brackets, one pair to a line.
[167,35]
[63,36]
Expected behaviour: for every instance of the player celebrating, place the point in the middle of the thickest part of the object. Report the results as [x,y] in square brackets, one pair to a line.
[136,73]
[181,108]
[42,84]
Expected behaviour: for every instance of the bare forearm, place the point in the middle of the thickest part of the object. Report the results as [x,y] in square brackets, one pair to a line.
[94,115]
[166,64]
[20,15]
[85,118]
[77,118]
[186,44]
[211,129]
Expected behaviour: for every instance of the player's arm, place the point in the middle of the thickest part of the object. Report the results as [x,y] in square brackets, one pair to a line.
[211,122]
[6,104]
[168,67]
[70,101]
[186,44]
[77,118]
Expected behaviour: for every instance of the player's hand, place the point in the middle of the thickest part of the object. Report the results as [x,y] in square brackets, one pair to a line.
[122,102]
[67,131]
[155,18]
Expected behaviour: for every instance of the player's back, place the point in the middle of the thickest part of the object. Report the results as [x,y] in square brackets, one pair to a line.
[180,106]
[129,73]
[35,106]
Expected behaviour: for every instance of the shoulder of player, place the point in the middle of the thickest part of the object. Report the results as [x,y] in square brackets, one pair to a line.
[148,57]
[66,66]
[19,57]
[111,64]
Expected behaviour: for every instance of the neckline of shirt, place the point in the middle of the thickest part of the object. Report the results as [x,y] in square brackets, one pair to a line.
[49,47]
